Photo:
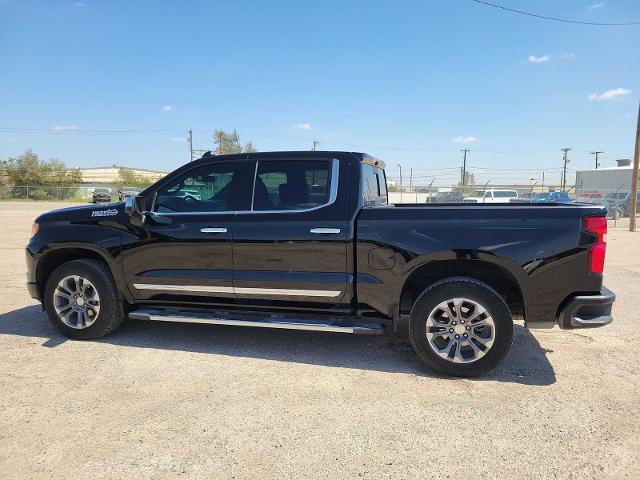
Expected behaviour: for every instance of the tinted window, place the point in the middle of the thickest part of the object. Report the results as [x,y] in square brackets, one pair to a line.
[291,184]
[204,189]
[505,194]
[374,189]
[382,182]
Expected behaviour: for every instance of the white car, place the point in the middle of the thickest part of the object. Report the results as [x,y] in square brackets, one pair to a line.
[491,196]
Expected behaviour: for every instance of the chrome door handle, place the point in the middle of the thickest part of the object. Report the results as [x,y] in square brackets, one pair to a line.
[214,230]
[325,231]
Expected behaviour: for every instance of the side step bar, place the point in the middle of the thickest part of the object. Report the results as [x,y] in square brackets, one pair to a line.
[287,322]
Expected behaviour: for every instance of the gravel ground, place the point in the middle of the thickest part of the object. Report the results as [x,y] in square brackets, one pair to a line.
[164,400]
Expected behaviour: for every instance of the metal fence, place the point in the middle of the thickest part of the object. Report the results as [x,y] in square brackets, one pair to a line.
[618,201]
[53,193]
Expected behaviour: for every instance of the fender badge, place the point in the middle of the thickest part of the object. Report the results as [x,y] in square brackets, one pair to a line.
[112,212]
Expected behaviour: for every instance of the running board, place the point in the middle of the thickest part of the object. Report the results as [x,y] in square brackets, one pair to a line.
[286,322]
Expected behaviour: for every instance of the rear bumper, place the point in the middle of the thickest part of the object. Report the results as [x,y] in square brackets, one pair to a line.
[587,311]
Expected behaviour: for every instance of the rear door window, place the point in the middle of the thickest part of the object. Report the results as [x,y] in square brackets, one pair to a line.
[291,184]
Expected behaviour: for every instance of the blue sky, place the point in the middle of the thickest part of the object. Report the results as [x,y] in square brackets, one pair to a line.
[411,82]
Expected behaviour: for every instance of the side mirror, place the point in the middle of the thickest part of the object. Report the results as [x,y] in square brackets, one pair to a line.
[129,206]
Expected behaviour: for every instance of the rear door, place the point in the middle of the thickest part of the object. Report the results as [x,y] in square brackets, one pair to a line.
[188,257]
[290,247]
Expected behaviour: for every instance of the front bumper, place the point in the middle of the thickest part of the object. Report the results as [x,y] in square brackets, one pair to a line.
[587,311]
[32,286]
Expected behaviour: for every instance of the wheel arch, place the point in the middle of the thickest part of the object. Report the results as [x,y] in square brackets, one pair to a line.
[54,257]
[496,276]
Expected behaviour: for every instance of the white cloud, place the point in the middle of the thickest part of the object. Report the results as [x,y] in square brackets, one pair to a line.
[539,59]
[462,139]
[178,139]
[610,94]
[303,126]
[595,6]
[65,128]
[167,108]
[568,56]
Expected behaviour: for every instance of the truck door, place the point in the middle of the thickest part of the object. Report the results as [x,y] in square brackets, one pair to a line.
[188,256]
[290,247]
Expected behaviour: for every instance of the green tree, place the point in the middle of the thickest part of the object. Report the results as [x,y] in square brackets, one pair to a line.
[128,178]
[5,181]
[45,179]
[227,143]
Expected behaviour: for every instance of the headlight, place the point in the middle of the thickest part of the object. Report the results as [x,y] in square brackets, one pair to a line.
[34,229]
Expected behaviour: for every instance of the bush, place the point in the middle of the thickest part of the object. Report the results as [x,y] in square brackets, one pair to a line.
[46,179]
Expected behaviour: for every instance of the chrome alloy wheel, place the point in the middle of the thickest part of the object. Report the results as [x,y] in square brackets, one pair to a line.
[460,330]
[76,302]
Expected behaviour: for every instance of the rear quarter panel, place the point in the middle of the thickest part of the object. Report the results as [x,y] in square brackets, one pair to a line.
[543,247]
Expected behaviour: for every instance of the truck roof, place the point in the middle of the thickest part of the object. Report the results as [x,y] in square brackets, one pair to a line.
[294,154]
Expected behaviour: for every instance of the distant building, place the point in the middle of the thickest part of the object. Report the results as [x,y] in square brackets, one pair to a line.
[109,175]
[607,179]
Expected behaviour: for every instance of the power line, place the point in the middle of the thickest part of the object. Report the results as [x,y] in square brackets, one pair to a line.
[341,145]
[53,131]
[555,19]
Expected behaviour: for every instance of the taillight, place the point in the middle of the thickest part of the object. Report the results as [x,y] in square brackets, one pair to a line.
[597,226]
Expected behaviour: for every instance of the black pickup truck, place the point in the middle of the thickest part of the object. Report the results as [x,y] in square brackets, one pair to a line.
[308,241]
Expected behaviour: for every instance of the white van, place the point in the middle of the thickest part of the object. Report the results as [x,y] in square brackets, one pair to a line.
[491,196]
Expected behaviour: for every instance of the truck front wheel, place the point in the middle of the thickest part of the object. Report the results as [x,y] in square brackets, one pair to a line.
[461,327]
[82,301]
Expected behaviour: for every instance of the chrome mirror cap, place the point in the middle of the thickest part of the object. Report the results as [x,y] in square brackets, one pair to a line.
[129,205]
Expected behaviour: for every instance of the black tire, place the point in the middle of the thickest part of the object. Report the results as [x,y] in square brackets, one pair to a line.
[483,294]
[111,312]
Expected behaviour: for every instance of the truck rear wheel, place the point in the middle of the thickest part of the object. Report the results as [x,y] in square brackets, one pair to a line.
[461,327]
[82,301]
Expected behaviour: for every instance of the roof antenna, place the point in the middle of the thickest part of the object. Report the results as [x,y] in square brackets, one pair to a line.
[207,154]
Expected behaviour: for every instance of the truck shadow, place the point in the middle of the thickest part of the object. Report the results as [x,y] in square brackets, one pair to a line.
[526,364]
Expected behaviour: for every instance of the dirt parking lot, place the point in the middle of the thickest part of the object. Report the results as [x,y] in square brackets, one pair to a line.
[164,400]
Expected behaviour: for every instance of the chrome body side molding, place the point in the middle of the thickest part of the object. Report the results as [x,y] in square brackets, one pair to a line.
[286,292]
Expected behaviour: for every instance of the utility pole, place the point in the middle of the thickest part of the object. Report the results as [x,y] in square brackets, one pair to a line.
[400,167]
[464,166]
[596,154]
[633,210]
[190,145]
[564,171]
[315,144]
[411,180]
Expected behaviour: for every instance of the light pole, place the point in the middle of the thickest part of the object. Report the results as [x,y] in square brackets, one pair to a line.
[400,167]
